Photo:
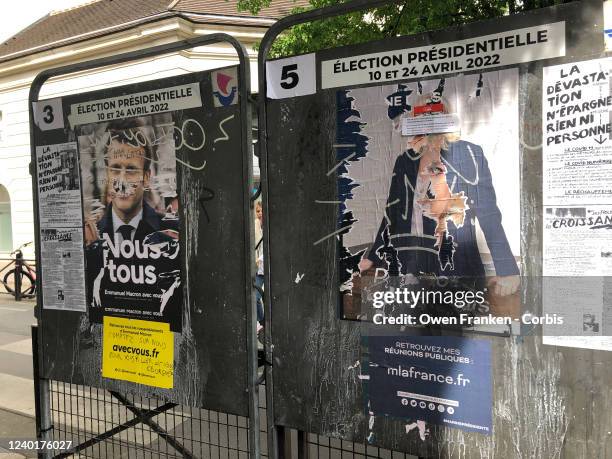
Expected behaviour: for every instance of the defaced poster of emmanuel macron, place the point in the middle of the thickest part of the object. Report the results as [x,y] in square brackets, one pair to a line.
[429,184]
[131,219]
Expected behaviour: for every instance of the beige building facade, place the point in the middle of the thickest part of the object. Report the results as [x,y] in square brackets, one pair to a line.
[93,30]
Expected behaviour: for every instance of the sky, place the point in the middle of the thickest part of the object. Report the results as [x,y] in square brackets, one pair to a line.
[24,12]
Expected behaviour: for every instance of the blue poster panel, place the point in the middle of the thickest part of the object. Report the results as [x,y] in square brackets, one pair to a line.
[445,380]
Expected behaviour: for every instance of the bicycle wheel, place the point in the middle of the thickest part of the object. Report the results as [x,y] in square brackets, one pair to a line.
[27,282]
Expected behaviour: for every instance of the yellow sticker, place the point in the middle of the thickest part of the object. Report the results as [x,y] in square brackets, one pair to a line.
[139,351]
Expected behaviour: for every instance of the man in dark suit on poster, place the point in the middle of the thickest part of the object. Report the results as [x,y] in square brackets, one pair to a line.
[132,249]
[128,176]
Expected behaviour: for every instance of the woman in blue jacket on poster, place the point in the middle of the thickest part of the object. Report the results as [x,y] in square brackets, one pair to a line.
[440,186]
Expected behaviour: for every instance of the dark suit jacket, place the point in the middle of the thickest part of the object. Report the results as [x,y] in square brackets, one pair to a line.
[151,222]
[467,168]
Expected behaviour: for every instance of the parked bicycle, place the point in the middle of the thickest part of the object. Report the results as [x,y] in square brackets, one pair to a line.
[26,282]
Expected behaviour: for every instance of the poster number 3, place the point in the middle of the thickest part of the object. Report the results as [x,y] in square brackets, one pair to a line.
[292,77]
[48,114]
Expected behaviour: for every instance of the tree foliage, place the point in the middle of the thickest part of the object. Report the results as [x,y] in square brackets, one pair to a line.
[402,18]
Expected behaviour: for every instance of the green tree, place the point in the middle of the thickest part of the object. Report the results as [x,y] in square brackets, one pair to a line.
[402,18]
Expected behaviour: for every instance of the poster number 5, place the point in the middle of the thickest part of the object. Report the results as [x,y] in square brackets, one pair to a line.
[291,77]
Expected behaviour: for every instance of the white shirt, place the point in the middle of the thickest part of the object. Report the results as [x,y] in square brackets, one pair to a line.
[420,192]
[117,222]
[260,263]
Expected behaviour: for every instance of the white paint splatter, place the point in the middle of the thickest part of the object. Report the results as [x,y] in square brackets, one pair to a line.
[333,169]
[423,430]
[97,302]
[221,123]
[328,236]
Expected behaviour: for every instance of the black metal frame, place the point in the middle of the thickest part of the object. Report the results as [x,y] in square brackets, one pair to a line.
[276,441]
[42,385]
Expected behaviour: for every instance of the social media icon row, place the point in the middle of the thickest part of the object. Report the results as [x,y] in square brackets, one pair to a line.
[424,405]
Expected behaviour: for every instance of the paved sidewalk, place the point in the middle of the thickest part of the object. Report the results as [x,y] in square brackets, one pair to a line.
[15,426]
[17,393]
[16,384]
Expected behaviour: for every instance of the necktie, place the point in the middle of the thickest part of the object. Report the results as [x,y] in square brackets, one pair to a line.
[126,232]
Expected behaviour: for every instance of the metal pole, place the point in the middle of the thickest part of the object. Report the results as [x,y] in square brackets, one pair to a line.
[284,443]
[244,96]
[42,404]
[18,274]
[264,49]
[302,444]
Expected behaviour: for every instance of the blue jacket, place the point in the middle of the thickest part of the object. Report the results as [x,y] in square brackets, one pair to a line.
[467,171]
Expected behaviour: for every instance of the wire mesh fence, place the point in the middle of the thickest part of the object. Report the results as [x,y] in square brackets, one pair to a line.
[97,423]
[103,424]
[321,447]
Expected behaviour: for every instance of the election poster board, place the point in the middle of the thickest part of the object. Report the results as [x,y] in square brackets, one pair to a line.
[142,191]
[402,175]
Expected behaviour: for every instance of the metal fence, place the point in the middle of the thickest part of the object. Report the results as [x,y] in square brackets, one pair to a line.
[104,424]
[311,446]
[89,422]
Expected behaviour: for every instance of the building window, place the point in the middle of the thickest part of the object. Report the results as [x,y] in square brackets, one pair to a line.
[6,229]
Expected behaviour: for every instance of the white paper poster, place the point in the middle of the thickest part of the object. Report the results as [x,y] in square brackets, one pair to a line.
[577,187]
[61,227]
